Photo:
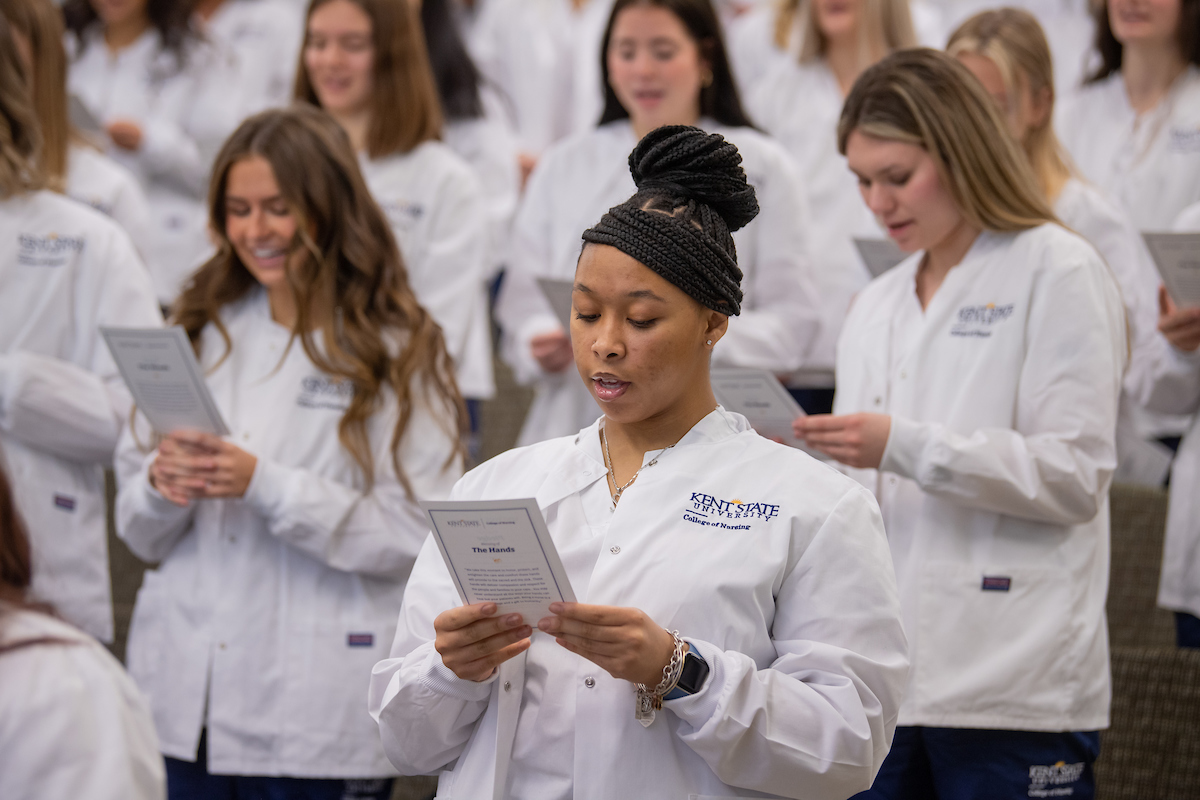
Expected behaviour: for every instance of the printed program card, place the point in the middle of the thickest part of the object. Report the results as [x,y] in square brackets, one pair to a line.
[879,255]
[758,396]
[1177,256]
[500,551]
[162,374]
[558,294]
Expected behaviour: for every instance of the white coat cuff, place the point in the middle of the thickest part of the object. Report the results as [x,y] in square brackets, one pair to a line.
[154,502]
[438,678]
[266,488]
[698,708]
[1182,359]
[902,454]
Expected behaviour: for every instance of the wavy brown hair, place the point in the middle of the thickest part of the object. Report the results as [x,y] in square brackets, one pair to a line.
[887,26]
[40,22]
[405,108]
[20,139]
[378,337]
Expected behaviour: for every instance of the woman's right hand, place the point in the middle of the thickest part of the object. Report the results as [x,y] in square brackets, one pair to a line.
[552,350]
[1181,327]
[176,471]
[473,642]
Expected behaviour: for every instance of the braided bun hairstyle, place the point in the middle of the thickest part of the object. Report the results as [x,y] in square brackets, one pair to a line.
[692,195]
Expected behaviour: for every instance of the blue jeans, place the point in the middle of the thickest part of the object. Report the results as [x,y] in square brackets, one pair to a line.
[1187,630]
[968,764]
[188,780]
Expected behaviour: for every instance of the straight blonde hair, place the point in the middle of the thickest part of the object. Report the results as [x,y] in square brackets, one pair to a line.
[925,97]
[405,107]
[888,28]
[1012,39]
[40,22]
[20,138]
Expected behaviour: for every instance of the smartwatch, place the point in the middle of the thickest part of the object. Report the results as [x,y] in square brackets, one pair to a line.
[691,680]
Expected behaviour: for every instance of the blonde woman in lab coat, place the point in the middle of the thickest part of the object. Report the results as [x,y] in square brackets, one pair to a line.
[769,568]
[1134,127]
[798,101]
[65,271]
[283,549]
[365,63]
[1009,54]
[664,64]
[72,724]
[166,99]
[70,162]
[977,397]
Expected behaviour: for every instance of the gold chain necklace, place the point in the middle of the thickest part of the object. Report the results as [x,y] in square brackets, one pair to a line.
[612,474]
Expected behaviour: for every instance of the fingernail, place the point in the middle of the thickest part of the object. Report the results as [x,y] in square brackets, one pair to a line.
[557,608]
[547,624]
[488,608]
[512,620]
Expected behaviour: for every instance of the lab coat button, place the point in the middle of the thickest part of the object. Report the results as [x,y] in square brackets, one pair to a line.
[246,436]
[507,685]
[614,549]
[222,645]
[878,400]
[903,375]
[589,682]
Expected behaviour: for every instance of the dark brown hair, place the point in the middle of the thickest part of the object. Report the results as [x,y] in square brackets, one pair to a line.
[20,138]
[40,22]
[171,18]
[378,338]
[719,100]
[16,568]
[1110,50]
[405,109]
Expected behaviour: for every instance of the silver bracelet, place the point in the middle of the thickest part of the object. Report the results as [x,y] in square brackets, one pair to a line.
[650,700]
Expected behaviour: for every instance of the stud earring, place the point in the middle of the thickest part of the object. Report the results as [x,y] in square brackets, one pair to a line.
[709,342]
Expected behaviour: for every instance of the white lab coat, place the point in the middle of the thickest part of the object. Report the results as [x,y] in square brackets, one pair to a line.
[543,56]
[185,115]
[799,105]
[65,270]
[796,614]
[572,187]
[1150,165]
[72,724]
[1177,391]
[1003,402]
[437,212]
[106,186]
[266,612]
[265,38]
[489,146]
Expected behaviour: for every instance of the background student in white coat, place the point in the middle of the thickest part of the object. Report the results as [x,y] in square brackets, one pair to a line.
[1009,54]
[1134,128]
[798,101]
[668,513]
[264,36]
[364,61]
[474,126]
[977,397]
[65,270]
[72,724]
[167,99]
[664,65]
[284,548]
[1177,391]
[70,162]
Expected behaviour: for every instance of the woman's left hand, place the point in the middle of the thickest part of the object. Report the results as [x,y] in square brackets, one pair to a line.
[227,468]
[624,641]
[125,134]
[857,440]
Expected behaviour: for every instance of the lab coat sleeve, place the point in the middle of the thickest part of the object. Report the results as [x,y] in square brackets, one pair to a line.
[1055,464]
[522,310]
[74,408]
[377,532]
[426,714]
[1172,385]
[148,523]
[819,720]
[779,321]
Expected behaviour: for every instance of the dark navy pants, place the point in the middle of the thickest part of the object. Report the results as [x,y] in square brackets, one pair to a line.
[1187,630]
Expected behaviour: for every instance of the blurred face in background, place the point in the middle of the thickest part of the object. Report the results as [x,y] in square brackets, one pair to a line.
[655,68]
[1023,112]
[117,12]
[1146,22]
[339,54]
[838,19]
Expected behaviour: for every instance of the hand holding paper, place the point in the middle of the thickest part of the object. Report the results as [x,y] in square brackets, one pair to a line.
[473,641]
[1181,327]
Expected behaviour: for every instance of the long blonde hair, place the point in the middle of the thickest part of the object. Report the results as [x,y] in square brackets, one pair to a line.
[888,27]
[405,107]
[20,138]
[1012,39]
[40,22]
[353,263]
[925,97]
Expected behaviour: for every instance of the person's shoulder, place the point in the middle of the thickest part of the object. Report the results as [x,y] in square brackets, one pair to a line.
[1084,209]
[63,219]
[1048,249]
[519,470]
[85,162]
[588,145]
[1188,220]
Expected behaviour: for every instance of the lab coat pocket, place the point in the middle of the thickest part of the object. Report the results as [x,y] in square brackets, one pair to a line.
[995,643]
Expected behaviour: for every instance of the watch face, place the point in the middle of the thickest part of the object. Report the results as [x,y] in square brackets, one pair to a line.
[695,671]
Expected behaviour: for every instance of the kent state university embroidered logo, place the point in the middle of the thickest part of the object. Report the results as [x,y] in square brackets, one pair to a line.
[50,250]
[1184,139]
[978,321]
[1051,780]
[704,509]
[321,391]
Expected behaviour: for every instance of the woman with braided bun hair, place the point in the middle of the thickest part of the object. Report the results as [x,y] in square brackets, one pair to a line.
[738,586]
[663,64]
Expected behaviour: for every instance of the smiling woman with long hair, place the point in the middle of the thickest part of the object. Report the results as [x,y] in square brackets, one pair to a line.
[285,547]
[780,673]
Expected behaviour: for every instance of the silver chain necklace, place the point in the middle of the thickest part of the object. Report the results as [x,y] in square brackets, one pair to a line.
[613,474]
